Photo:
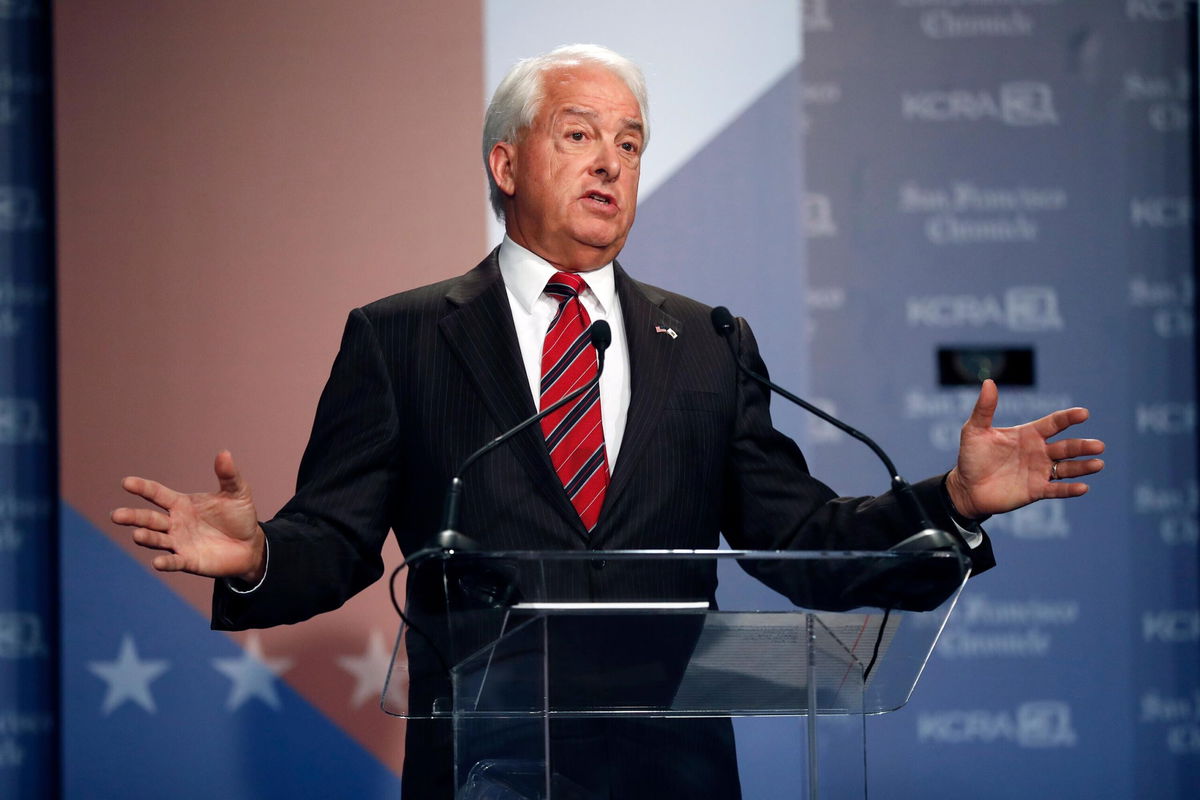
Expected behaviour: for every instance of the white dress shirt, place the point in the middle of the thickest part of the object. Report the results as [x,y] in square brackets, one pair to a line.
[525,275]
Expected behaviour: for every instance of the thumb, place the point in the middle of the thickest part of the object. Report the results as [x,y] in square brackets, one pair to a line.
[227,474]
[985,406]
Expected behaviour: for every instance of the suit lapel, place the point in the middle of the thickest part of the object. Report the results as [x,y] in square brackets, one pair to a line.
[479,329]
[653,355]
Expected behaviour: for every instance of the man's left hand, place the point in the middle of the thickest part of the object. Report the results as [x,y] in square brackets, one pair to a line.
[1000,469]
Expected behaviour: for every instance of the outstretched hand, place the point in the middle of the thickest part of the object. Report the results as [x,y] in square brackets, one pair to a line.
[1000,469]
[215,534]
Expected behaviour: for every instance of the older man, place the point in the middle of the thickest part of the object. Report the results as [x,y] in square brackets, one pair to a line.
[674,449]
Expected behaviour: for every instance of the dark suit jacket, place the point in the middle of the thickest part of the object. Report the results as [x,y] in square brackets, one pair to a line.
[424,377]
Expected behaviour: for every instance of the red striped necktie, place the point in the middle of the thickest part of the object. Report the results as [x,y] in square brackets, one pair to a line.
[574,433]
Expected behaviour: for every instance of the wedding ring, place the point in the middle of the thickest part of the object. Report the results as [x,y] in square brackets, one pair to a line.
[1054,472]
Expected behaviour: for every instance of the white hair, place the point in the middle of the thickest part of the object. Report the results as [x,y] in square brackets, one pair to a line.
[519,96]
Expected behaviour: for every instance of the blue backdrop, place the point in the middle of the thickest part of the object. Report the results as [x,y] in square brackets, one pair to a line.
[1018,173]
[28,491]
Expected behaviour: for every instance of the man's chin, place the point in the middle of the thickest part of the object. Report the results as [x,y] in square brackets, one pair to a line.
[601,237]
[581,256]
[602,249]
[580,247]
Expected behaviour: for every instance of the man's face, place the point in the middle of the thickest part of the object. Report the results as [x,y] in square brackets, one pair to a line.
[571,179]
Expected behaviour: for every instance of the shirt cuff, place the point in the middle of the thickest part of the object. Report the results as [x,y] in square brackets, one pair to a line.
[234,583]
[968,528]
[974,538]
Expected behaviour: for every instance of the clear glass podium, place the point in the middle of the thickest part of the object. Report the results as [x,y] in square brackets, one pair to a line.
[504,645]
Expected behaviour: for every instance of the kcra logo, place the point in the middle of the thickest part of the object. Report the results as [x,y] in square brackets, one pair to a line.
[1036,724]
[21,421]
[1172,626]
[1160,212]
[1169,418]
[1017,103]
[818,216]
[21,636]
[814,16]
[1022,308]
[1155,10]
[1037,521]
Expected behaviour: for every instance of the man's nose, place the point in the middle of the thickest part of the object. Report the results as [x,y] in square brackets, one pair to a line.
[608,162]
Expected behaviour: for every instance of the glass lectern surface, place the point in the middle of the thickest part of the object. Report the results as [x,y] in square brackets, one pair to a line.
[502,643]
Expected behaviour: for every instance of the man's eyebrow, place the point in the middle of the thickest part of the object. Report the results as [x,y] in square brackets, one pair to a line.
[580,112]
[633,123]
[627,123]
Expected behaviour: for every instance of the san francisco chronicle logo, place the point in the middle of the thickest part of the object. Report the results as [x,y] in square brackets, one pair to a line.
[1016,103]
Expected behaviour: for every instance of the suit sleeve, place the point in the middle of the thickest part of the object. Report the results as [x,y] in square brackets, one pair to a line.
[772,502]
[325,543]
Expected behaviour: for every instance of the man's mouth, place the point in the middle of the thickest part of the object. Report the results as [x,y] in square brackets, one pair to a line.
[600,198]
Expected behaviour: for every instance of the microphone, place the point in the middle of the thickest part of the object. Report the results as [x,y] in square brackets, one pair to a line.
[927,537]
[601,338]
[449,538]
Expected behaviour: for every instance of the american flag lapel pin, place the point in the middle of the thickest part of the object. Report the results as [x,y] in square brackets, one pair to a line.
[670,331]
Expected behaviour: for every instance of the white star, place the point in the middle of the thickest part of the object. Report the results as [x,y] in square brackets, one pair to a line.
[370,670]
[128,677]
[253,674]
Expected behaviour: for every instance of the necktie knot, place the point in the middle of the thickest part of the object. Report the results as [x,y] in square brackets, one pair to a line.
[565,285]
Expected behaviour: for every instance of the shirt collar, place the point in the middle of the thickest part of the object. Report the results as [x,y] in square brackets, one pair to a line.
[525,275]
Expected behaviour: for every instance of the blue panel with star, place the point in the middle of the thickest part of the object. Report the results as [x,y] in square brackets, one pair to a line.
[157,705]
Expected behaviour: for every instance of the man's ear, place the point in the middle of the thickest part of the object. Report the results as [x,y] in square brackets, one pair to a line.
[503,161]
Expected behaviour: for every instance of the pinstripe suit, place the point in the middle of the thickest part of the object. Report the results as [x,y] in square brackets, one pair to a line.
[426,376]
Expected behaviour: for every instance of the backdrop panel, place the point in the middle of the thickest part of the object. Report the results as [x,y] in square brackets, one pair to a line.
[28,448]
[1017,174]
[234,179]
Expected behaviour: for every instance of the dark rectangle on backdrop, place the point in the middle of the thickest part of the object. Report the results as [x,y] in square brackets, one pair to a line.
[970,365]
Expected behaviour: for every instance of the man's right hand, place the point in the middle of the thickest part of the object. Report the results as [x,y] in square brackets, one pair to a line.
[215,534]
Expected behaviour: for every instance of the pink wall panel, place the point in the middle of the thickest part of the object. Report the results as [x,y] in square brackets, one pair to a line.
[233,177]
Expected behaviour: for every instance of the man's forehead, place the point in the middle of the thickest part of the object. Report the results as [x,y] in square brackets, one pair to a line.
[586,85]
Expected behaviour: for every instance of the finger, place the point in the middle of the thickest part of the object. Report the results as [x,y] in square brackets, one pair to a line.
[168,563]
[1058,421]
[227,473]
[1061,490]
[1074,448]
[985,406]
[155,492]
[142,517]
[153,539]
[1077,469]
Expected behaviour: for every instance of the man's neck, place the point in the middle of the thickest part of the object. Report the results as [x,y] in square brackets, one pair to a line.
[525,274]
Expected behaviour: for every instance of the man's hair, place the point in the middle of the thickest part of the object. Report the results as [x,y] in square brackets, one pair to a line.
[519,97]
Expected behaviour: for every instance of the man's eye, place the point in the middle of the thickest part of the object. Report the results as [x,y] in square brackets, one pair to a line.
[629,147]
[576,136]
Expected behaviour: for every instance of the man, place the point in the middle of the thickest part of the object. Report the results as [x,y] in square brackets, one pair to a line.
[676,448]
